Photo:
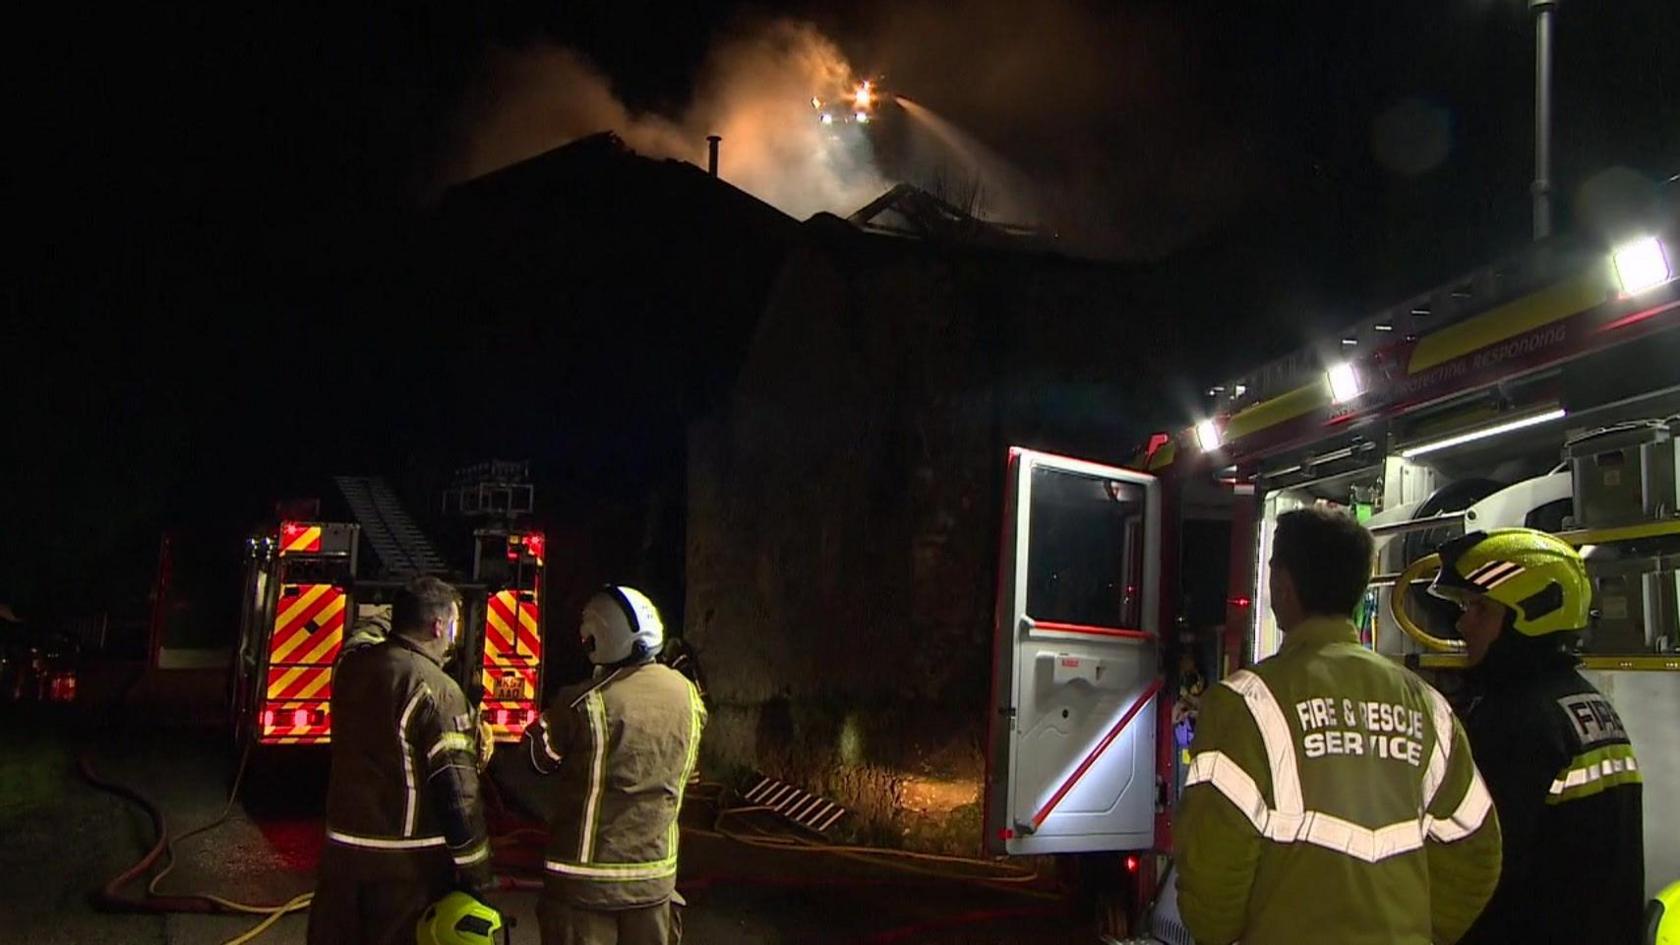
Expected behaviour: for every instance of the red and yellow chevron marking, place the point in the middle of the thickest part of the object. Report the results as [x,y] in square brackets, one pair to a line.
[307,635]
[299,537]
[512,655]
[279,723]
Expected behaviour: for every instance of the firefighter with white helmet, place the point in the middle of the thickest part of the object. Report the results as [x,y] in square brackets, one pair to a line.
[620,749]
[1556,758]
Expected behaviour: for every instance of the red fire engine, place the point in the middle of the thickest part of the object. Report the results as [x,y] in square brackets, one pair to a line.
[1541,391]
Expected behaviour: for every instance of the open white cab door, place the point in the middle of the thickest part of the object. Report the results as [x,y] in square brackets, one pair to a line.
[1071,756]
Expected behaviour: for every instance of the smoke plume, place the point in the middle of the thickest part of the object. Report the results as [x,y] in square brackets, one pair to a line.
[754,89]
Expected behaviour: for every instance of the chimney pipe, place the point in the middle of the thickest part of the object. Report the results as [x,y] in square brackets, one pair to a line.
[711,153]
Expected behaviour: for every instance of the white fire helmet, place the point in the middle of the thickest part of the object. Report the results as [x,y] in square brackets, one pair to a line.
[621,623]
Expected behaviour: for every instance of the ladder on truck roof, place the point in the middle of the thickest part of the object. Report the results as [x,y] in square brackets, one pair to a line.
[403,549]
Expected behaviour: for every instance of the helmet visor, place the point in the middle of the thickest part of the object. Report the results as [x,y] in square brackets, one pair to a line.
[1452,591]
[1449,584]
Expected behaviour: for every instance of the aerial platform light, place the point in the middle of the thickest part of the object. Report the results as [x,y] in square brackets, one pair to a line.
[1641,264]
[1344,382]
[1207,435]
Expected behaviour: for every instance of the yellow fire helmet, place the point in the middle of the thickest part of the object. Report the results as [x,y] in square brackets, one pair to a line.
[458,919]
[1539,577]
[1662,917]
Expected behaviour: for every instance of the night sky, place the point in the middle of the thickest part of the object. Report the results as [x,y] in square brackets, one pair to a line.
[197,182]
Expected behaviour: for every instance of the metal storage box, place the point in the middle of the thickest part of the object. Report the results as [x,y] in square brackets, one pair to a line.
[1624,474]
[1638,605]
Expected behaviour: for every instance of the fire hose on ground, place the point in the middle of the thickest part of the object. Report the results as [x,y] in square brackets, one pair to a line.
[111,898]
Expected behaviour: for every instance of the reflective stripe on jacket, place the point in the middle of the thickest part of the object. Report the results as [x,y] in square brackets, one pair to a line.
[621,750]
[404,782]
[1332,797]
[1564,775]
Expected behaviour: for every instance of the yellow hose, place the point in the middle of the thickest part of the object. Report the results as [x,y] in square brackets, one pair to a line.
[296,905]
[1397,606]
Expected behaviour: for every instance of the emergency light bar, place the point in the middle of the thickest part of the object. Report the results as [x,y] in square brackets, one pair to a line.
[1482,434]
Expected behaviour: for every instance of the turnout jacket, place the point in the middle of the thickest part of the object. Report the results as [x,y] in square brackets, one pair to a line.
[1564,777]
[620,750]
[403,798]
[1331,797]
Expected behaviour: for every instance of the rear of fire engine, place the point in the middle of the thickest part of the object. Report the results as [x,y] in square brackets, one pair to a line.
[314,584]
[1542,392]
[508,564]
[298,579]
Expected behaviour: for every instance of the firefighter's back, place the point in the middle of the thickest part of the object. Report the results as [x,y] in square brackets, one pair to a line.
[374,795]
[613,842]
[1361,731]
[1342,768]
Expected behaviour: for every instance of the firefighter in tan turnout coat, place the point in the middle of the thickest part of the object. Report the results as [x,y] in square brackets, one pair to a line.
[404,822]
[619,750]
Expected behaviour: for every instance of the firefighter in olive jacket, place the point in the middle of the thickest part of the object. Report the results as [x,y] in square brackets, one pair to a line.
[1331,795]
[404,822]
[620,748]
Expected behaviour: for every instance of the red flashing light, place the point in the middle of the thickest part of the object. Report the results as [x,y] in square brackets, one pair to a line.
[501,717]
[1007,833]
[291,531]
[530,716]
[1240,602]
[1132,863]
[300,718]
[536,544]
[268,720]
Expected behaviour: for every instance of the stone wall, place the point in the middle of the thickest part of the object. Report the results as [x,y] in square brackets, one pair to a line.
[844,506]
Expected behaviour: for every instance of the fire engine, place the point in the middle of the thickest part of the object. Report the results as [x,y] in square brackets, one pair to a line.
[312,582]
[1542,391]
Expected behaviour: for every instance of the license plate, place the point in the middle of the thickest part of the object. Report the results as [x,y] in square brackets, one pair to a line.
[510,687]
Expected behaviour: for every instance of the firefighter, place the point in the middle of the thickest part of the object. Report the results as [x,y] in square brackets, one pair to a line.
[1557,760]
[620,749]
[404,823]
[1331,795]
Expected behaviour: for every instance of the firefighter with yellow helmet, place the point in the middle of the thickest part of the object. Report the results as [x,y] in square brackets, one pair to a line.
[1552,749]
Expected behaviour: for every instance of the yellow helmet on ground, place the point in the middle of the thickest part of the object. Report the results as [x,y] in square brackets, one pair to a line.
[1539,577]
[458,919]
[1662,917]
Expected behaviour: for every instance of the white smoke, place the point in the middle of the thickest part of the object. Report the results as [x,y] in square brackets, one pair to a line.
[754,89]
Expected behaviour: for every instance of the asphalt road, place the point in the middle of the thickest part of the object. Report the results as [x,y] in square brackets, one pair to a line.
[64,838]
